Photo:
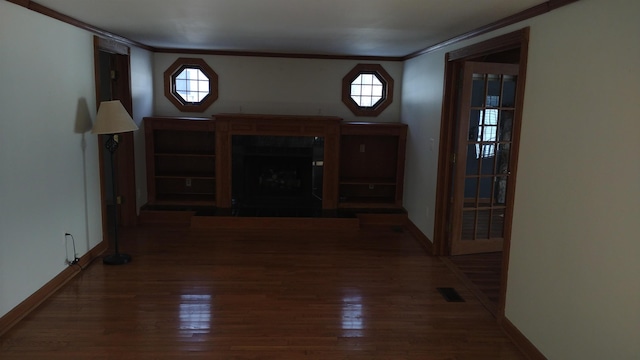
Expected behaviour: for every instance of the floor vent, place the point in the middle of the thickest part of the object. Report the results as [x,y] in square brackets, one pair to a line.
[450,294]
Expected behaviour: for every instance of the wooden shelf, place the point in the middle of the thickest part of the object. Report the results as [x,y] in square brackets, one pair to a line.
[372,165]
[185,176]
[185,200]
[367,181]
[189,159]
[181,161]
[183,155]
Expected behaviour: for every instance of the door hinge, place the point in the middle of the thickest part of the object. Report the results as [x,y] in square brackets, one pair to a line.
[119,200]
[453,158]
[114,75]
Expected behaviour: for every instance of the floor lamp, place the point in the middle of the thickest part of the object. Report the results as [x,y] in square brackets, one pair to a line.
[113,119]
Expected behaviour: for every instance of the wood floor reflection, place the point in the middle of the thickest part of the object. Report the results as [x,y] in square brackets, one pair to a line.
[482,274]
[256,294]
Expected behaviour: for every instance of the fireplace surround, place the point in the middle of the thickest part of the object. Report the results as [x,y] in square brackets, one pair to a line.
[288,160]
[241,165]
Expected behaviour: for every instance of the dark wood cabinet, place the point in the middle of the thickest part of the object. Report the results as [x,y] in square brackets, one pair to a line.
[189,159]
[372,165]
[181,161]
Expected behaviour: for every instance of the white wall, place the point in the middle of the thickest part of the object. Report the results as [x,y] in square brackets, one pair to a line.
[573,286]
[277,86]
[49,178]
[421,109]
[141,92]
[50,181]
[573,283]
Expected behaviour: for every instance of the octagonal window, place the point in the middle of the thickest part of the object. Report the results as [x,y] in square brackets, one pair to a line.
[191,85]
[367,90]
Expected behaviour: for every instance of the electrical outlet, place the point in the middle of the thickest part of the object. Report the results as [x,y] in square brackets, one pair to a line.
[187,182]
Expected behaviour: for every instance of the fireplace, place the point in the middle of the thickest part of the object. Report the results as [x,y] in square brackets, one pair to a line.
[276,173]
[252,147]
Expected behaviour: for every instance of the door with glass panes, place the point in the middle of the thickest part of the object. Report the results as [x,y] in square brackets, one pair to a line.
[483,176]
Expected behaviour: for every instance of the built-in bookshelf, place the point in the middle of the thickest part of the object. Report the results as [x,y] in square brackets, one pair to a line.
[372,165]
[181,161]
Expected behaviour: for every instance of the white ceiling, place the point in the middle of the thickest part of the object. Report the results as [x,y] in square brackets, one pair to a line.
[323,27]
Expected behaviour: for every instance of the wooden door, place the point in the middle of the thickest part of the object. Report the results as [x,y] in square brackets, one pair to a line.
[113,82]
[482,204]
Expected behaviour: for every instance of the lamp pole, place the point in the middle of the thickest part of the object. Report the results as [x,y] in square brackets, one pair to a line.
[116,258]
[113,119]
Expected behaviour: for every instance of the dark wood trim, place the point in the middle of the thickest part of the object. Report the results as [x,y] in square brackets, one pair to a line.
[34,6]
[509,20]
[277,54]
[32,302]
[521,341]
[554,4]
[422,239]
[263,223]
[445,163]
[23,3]
[383,219]
[111,46]
[512,40]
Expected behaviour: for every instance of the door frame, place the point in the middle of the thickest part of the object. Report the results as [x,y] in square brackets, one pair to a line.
[454,62]
[124,158]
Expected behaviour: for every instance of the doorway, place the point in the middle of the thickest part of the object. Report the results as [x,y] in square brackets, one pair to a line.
[112,74]
[482,108]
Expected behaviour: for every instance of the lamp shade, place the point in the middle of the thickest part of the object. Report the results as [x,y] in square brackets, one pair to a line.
[113,118]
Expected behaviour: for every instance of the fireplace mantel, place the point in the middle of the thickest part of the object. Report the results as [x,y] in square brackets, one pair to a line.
[227,125]
[278,125]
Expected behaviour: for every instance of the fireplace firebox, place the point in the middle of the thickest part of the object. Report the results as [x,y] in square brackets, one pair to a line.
[277,172]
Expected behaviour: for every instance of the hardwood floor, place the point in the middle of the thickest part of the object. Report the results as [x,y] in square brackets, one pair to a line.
[262,294]
[481,273]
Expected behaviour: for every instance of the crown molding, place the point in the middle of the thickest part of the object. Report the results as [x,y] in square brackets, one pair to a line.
[509,20]
[34,6]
